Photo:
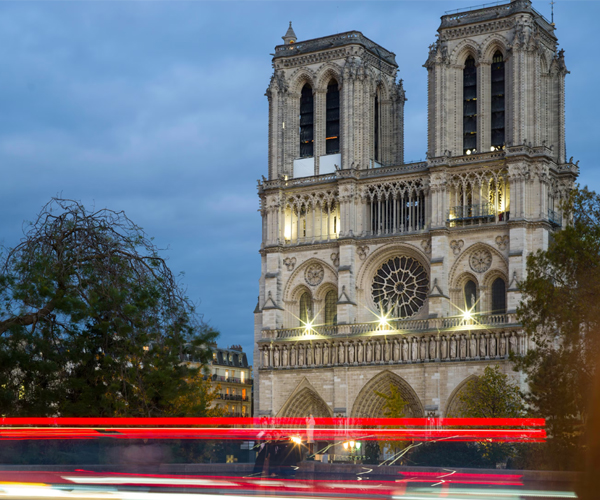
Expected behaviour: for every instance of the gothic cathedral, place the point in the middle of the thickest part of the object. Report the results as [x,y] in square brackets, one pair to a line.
[380,273]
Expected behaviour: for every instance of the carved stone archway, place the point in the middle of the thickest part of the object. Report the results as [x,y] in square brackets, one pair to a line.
[454,404]
[369,404]
[304,402]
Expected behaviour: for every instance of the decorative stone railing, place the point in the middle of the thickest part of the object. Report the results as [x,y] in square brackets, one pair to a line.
[394,327]
[392,349]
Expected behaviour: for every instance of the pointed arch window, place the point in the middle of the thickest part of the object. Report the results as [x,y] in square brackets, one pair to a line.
[498,102]
[499,296]
[331,307]
[332,126]
[470,291]
[376,128]
[306,122]
[470,107]
[306,308]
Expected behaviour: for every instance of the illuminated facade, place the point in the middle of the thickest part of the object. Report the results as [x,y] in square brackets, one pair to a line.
[379,272]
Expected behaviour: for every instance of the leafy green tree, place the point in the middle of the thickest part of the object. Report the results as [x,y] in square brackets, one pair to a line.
[560,311]
[93,322]
[393,407]
[492,395]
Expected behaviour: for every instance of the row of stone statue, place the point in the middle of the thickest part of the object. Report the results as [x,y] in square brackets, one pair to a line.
[388,350]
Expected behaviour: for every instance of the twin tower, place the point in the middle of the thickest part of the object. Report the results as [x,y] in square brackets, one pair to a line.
[376,272]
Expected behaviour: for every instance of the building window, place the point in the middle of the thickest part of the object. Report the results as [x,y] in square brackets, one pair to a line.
[306,122]
[226,373]
[243,377]
[233,392]
[470,107]
[244,393]
[332,126]
[227,390]
[215,356]
[376,128]
[470,295]
[243,411]
[232,373]
[498,102]
[498,296]
[331,307]
[305,308]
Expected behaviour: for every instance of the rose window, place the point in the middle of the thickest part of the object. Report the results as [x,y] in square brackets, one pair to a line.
[400,287]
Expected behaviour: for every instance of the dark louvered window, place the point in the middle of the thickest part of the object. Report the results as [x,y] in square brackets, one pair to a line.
[470,107]
[498,296]
[498,102]
[306,122]
[470,296]
[331,307]
[376,129]
[305,308]
[332,127]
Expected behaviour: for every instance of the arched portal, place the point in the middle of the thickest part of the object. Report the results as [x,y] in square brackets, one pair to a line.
[369,405]
[454,407]
[304,402]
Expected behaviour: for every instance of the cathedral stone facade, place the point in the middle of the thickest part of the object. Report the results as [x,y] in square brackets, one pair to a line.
[379,273]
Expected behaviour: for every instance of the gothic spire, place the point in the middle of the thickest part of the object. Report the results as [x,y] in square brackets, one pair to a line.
[290,36]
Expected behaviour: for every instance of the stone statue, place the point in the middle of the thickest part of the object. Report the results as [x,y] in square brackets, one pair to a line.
[284,357]
[482,346]
[325,354]
[265,357]
[444,347]
[453,347]
[396,351]
[502,345]
[369,352]
[514,344]
[318,354]
[493,346]
[377,351]
[360,352]
[341,354]
[415,353]
[301,356]
[473,346]
[404,350]
[423,349]
[293,357]
[276,358]
[386,351]
[309,355]
[351,353]
[432,348]
[463,347]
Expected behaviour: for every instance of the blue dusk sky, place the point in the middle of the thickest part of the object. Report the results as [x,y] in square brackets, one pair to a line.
[158,109]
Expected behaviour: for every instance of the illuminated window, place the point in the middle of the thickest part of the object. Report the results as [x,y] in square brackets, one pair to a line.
[331,307]
[226,373]
[498,102]
[305,308]
[498,296]
[470,107]
[232,373]
[470,295]
[332,126]
[244,393]
[214,356]
[243,410]
[306,122]
[233,392]
[227,390]
[243,377]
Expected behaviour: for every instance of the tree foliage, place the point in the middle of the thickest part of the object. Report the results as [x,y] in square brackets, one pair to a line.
[93,322]
[560,311]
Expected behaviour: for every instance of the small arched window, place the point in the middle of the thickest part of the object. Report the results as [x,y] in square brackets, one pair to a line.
[498,102]
[499,296]
[470,295]
[305,308]
[306,122]
[470,107]
[331,307]
[332,126]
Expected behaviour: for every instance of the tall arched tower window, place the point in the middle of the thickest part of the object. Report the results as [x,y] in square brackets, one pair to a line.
[376,128]
[331,307]
[470,107]
[498,296]
[306,122]
[332,127]
[470,295]
[305,308]
[498,102]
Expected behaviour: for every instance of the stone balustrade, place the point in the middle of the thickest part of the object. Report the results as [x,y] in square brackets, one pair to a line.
[396,326]
[392,349]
